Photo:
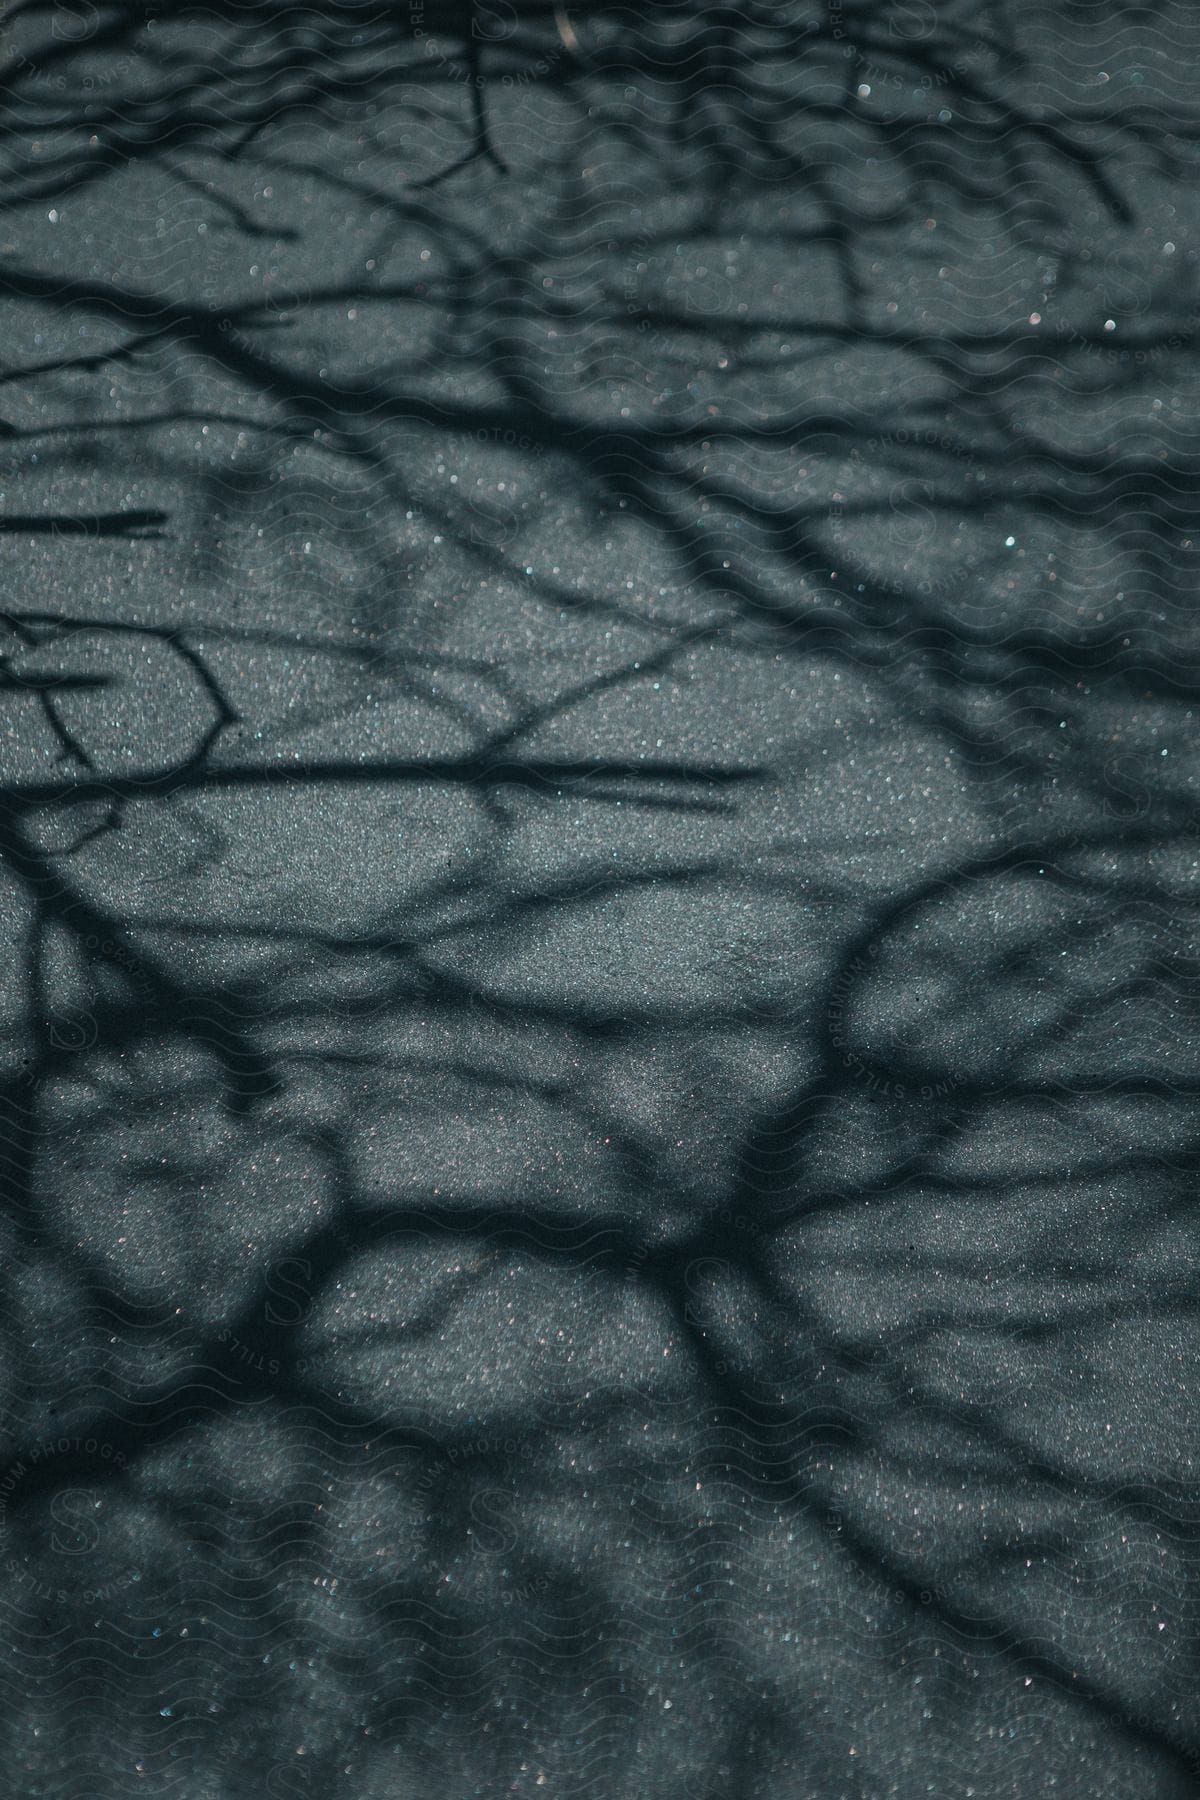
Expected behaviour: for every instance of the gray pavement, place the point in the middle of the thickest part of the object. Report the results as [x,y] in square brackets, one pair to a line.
[600,884]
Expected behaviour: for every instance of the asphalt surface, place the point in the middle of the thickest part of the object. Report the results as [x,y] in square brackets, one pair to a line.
[599,863]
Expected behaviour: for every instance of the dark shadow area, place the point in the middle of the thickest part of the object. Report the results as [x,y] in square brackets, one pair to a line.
[598,840]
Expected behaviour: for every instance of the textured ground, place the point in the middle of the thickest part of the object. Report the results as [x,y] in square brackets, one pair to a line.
[598,851]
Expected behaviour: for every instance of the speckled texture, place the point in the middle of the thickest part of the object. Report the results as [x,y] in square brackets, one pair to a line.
[599,895]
